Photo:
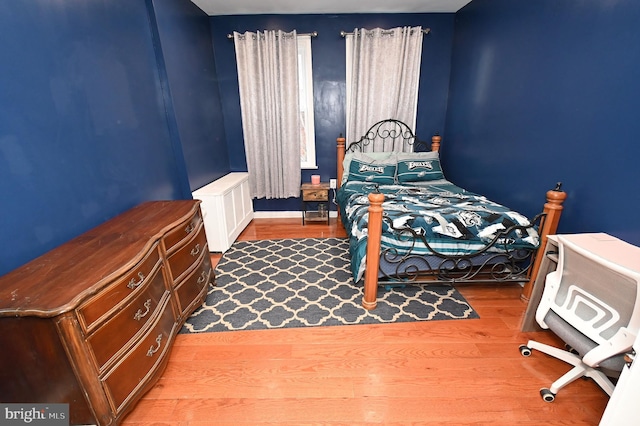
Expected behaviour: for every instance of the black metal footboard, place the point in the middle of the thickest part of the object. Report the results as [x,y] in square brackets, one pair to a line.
[496,262]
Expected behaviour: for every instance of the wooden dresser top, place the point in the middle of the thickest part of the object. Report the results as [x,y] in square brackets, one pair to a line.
[60,279]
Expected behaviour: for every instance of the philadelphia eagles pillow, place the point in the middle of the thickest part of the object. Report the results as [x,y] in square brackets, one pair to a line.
[419,166]
[374,171]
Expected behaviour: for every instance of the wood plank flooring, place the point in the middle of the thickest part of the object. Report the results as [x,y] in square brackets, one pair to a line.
[459,372]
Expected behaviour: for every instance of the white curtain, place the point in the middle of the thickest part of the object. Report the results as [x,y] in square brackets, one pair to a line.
[383,75]
[268,78]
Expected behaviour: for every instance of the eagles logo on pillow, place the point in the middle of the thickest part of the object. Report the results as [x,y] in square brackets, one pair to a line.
[372,172]
[419,167]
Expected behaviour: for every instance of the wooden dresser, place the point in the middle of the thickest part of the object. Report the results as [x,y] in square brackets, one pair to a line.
[91,323]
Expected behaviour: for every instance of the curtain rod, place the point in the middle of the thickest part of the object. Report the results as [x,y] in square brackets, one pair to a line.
[344,33]
[313,34]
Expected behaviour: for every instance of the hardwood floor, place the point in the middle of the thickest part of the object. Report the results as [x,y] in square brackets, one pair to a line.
[423,373]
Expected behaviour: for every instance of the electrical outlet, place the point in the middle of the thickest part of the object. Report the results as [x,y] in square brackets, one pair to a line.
[333,183]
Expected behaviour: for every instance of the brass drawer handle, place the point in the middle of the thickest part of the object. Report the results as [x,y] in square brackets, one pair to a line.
[203,277]
[139,315]
[133,284]
[189,229]
[153,350]
[195,250]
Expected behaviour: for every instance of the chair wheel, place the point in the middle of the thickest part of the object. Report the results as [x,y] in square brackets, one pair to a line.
[547,395]
[525,350]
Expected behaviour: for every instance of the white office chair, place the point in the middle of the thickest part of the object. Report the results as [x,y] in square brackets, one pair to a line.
[591,303]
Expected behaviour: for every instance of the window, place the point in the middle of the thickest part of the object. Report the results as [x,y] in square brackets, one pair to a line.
[305,84]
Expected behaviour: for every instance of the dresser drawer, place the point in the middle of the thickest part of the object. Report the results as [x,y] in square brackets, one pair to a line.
[114,334]
[183,232]
[187,256]
[196,283]
[97,308]
[132,372]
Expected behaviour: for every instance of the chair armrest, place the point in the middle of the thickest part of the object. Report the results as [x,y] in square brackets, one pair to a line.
[551,285]
[621,342]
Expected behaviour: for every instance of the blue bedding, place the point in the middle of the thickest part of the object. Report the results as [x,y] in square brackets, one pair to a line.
[452,220]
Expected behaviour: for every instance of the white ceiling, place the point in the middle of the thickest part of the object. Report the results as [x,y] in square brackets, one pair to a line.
[255,7]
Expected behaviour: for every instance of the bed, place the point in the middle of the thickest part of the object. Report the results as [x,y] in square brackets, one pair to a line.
[407,224]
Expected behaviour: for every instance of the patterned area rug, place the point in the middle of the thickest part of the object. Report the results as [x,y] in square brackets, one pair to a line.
[306,282]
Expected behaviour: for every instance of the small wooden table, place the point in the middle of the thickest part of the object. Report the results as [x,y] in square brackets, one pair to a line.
[318,196]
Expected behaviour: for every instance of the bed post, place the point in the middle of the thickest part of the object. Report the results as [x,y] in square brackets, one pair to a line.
[553,209]
[369,299]
[435,142]
[340,142]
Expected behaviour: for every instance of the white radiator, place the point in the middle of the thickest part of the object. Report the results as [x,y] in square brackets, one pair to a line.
[226,208]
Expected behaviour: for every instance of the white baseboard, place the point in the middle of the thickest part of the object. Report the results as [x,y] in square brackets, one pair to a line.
[284,214]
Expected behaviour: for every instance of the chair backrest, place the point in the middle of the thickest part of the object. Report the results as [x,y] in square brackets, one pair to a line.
[591,291]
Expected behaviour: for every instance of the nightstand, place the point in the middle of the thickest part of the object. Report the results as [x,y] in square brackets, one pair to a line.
[315,196]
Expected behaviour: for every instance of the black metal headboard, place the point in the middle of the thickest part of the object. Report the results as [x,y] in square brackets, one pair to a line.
[388,136]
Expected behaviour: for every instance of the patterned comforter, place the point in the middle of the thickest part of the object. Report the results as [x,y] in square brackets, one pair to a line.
[452,220]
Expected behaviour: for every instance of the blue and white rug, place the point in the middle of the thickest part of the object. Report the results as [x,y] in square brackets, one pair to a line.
[305,283]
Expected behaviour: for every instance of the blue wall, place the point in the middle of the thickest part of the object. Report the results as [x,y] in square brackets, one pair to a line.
[87,124]
[104,105]
[187,50]
[549,91]
[329,79]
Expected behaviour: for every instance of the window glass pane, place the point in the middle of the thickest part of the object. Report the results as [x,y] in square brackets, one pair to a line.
[305,79]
